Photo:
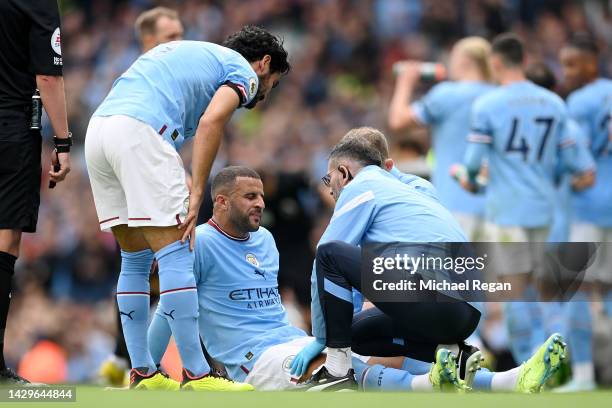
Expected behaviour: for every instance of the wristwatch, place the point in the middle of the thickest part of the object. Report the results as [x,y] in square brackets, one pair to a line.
[62,145]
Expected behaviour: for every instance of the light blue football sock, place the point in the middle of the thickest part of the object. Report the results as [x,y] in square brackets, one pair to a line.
[580,328]
[159,336]
[538,332]
[607,302]
[179,303]
[519,325]
[381,378]
[415,367]
[554,319]
[133,303]
[483,380]
[360,368]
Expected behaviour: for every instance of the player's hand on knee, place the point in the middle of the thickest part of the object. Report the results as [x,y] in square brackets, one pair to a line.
[300,363]
[60,166]
[189,225]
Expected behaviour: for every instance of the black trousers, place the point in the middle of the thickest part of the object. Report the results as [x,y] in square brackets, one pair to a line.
[408,329]
[20,172]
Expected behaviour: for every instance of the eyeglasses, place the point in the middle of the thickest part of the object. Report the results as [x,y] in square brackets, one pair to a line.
[326,179]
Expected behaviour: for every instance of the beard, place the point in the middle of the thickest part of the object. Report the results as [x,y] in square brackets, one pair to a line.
[336,193]
[242,221]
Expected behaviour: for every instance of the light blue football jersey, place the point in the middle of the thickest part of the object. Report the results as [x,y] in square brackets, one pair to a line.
[241,314]
[521,128]
[590,106]
[562,215]
[446,108]
[170,86]
[376,207]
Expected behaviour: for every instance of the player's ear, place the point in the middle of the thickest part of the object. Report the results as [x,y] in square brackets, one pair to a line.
[263,65]
[346,174]
[221,201]
[389,164]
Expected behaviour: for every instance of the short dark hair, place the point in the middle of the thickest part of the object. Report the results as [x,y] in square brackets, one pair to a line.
[585,43]
[226,178]
[253,43]
[359,149]
[540,74]
[510,48]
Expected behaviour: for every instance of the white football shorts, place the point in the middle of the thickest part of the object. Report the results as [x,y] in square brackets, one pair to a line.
[472,225]
[137,177]
[272,371]
[519,259]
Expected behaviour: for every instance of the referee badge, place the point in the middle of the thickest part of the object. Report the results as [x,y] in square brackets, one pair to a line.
[56,41]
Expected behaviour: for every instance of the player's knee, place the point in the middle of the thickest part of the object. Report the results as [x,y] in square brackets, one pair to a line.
[136,263]
[326,252]
[10,241]
[173,278]
[176,279]
[176,267]
[129,239]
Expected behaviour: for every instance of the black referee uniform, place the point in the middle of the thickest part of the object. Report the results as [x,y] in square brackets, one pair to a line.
[30,46]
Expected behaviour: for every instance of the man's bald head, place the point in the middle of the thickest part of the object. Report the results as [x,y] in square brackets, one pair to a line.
[371,137]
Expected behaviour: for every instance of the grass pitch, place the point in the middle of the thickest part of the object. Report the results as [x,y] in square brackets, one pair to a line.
[93,397]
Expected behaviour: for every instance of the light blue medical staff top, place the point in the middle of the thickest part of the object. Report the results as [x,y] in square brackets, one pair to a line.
[376,207]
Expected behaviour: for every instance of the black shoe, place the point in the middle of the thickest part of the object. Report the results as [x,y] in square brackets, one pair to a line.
[469,360]
[9,377]
[322,380]
[220,372]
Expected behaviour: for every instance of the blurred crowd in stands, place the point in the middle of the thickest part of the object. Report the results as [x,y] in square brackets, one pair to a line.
[341,53]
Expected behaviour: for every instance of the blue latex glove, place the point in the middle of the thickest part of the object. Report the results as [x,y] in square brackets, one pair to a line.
[299,365]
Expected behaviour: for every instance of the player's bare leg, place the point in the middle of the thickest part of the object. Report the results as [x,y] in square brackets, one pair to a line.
[10,241]
[130,239]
